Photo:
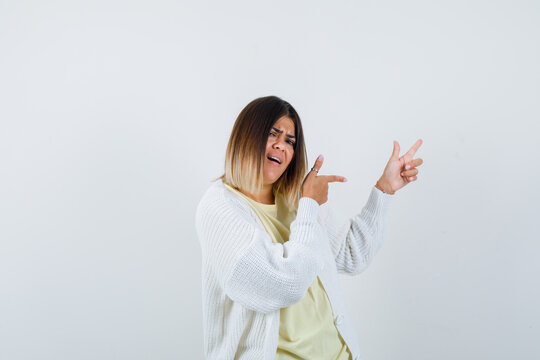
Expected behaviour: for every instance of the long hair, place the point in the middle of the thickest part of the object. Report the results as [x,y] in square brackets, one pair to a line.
[246,150]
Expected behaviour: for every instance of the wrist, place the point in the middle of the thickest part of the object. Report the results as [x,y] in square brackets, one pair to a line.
[385,188]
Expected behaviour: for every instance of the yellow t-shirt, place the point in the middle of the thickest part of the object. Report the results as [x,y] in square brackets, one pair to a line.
[306,329]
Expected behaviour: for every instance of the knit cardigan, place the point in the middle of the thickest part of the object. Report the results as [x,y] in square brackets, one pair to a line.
[247,279]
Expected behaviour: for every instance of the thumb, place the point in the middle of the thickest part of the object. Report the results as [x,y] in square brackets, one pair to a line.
[318,164]
[395,153]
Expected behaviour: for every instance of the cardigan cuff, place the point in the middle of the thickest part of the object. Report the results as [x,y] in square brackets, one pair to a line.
[378,201]
[308,209]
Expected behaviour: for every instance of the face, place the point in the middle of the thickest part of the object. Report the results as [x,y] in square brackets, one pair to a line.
[280,144]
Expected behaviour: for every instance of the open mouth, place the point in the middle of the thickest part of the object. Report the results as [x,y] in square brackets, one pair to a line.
[274,160]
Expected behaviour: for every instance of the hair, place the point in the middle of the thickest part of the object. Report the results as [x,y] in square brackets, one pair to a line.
[246,150]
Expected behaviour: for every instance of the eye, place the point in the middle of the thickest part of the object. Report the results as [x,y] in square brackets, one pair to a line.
[289,141]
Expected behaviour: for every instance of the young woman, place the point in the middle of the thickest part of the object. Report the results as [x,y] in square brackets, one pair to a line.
[272,251]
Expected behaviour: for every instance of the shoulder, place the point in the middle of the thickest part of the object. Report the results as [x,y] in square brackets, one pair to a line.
[218,201]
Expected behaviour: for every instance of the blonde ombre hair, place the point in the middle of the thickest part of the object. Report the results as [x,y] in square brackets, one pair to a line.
[246,150]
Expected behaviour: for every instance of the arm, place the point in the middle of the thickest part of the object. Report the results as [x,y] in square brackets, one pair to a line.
[356,240]
[252,270]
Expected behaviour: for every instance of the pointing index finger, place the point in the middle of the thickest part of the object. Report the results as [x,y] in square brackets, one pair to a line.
[334,178]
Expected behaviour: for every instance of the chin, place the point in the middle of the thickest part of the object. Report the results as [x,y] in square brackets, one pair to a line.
[272,178]
[271,175]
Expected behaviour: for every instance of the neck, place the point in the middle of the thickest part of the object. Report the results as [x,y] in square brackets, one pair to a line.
[265,196]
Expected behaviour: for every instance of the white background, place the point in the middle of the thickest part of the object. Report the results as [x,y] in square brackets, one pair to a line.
[114,117]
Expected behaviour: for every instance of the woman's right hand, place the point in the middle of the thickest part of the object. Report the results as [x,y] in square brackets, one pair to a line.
[316,186]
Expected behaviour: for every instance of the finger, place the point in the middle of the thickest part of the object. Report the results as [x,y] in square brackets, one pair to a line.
[415,147]
[413,163]
[318,164]
[395,153]
[408,173]
[334,178]
[416,162]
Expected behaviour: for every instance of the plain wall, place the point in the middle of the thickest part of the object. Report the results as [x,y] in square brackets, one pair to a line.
[115,116]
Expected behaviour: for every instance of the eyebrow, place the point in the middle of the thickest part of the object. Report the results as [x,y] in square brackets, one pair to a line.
[280,131]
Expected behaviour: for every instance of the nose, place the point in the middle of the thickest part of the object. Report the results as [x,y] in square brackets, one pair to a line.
[278,144]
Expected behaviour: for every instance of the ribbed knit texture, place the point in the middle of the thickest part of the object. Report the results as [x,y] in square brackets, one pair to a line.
[247,279]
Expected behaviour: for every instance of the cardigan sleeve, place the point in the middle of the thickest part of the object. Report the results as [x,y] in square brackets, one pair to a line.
[355,241]
[252,270]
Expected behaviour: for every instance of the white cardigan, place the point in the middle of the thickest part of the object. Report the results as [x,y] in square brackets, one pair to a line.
[247,279]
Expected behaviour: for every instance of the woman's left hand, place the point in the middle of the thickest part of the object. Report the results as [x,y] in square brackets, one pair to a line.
[400,171]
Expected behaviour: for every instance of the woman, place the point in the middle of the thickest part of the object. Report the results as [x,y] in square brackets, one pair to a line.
[272,252]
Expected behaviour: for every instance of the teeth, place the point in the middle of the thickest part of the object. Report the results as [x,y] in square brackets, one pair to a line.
[271,157]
